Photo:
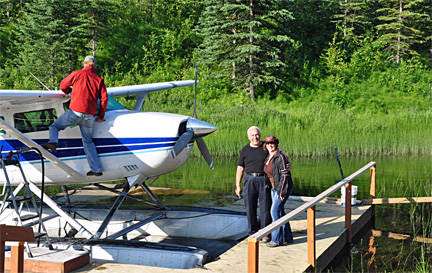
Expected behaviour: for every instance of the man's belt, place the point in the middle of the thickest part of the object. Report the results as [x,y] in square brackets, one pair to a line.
[256,174]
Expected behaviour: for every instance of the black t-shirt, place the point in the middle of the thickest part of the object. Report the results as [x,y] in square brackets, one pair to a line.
[252,159]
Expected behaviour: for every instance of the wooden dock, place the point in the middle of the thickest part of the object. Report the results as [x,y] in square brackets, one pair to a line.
[331,238]
[322,231]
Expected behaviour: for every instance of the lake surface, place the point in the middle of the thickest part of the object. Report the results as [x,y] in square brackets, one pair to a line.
[396,176]
[397,227]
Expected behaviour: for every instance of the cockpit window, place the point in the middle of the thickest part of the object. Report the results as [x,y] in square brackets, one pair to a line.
[113,104]
[34,121]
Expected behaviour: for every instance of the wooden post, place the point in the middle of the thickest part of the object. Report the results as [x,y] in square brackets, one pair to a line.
[348,211]
[253,252]
[14,234]
[311,237]
[372,182]
[17,258]
[372,191]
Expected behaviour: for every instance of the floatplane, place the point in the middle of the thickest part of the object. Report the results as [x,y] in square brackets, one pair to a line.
[133,145]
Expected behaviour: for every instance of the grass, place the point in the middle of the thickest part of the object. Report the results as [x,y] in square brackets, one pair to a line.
[315,130]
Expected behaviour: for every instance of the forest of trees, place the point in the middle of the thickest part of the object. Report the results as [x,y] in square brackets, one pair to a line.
[356,74]
[265,48]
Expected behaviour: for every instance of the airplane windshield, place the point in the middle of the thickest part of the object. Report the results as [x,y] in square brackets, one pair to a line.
[113,104]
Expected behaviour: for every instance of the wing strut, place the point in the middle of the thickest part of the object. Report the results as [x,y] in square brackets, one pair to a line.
[30,143]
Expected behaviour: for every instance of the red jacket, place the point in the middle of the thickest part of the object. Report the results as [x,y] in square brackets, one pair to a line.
[88,87]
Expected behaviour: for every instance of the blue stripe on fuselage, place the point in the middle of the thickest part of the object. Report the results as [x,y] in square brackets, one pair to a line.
[69,148]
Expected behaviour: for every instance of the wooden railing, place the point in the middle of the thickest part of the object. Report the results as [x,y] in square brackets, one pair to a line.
[253,240]
[14,234]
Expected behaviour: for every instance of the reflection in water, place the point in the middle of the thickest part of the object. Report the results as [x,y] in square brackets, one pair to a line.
[372,252]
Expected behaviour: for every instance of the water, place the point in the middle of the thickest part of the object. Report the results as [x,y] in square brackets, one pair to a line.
[398,227]
[396,176]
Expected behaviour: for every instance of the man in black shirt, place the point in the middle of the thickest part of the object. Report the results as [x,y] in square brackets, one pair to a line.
[251,162]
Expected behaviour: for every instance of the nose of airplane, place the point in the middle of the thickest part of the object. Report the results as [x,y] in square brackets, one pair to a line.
[200,128]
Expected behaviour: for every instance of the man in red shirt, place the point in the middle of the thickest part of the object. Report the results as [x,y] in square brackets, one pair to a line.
[88,87]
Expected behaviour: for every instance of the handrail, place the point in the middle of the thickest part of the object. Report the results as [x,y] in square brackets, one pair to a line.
[254,238]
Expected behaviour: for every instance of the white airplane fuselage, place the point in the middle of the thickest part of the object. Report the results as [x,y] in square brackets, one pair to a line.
[128,143]
[131,145]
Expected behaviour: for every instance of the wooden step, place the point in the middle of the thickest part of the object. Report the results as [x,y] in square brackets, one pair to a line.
[45,260]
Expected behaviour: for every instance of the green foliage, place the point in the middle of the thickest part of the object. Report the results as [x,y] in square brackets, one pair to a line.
[149,35]
[312,27]
[48,34]
[316,82]
[242,41]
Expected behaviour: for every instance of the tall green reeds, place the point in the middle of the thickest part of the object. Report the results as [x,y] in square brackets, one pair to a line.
[316,131]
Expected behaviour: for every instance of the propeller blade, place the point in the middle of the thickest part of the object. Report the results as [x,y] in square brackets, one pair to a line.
[181,143]
[205,152]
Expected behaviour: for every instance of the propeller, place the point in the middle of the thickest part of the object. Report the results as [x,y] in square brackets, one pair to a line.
[196,129]
[204,151]
[181,143]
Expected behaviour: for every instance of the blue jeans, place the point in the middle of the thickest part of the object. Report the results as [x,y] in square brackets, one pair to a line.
[85,122]
[282,234]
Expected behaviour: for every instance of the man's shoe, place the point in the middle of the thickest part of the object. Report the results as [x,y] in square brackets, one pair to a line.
[92,173]
[272,244]
[50,146]
[266,240]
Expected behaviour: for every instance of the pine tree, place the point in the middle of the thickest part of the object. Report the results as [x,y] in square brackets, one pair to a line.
[243,38]
[355,16]
[51,36]
[99,11]
[397,29]
[9,12]
[424,8]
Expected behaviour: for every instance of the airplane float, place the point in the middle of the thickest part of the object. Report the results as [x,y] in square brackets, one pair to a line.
[132,144]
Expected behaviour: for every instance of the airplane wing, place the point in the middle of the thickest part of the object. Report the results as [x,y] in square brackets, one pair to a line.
[25,97]
[142,90]
[30,143]
[146,88]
